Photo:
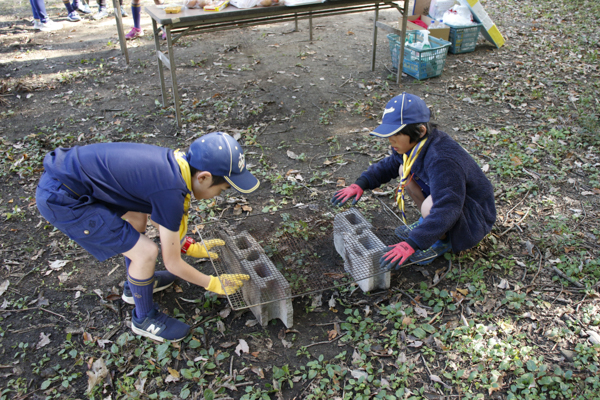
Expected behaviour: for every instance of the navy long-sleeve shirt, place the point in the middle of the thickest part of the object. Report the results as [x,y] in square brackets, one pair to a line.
[463,197]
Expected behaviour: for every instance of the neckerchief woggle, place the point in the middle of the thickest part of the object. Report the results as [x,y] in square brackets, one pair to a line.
[408,161]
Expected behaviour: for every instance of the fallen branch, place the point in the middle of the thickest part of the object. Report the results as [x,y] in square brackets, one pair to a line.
[325,342]
[563,275]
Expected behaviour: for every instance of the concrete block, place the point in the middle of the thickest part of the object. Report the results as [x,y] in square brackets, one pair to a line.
[362,260]
[350,222]
[267,287]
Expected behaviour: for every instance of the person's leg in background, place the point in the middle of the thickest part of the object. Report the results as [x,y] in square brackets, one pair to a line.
[123,11]
[41,21]
[72,15]
[80,5]
[102,11]
[136,31]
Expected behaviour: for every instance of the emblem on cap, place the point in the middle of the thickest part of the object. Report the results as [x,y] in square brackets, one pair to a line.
[388,110]
[241,162]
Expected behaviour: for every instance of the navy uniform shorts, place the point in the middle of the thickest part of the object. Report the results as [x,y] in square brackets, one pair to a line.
[94,226]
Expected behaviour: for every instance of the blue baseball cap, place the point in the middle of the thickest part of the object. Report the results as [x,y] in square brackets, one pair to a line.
[221,155]
[400,111]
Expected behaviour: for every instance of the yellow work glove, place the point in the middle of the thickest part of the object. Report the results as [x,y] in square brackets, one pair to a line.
[231,283]
[197,250]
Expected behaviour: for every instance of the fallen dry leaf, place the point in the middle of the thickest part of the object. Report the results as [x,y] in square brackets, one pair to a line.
[242,347]
[96,375]
[44,340]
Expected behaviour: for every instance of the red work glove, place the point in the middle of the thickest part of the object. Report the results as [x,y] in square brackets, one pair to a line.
[342,196]
[398,254]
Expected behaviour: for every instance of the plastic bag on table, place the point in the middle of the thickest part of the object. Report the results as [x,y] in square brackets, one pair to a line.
[268,3]
[244,3]
[194,3]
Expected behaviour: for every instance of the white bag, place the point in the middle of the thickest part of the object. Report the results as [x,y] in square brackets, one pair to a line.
[244,3]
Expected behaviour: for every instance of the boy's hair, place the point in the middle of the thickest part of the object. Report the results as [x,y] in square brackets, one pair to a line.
[216,180]
[413,131]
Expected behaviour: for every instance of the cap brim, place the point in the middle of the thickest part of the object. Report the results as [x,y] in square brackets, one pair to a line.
[386,130]
[244,182]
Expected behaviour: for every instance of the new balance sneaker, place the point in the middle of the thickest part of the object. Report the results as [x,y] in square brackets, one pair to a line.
[82,7]
[124,13]
[161,282]
[134,33]
[424,257]
[47,26]
[102,13]
[403,231]
[74,16]
[159,326]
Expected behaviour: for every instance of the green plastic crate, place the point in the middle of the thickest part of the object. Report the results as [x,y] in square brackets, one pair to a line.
[420,64]
[463,38]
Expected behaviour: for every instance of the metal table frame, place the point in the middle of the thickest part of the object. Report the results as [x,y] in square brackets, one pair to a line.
[196,21]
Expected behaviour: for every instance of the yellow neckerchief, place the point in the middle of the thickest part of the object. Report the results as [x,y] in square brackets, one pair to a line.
[187,177]
[408,161]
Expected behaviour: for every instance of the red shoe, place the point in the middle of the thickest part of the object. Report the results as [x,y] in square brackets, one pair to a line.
[134,33]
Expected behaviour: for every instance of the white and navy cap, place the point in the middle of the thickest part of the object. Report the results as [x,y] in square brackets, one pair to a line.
[400,111]
[221,155]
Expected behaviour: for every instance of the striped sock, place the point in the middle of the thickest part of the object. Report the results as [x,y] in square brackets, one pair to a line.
[142,295]
[135,13]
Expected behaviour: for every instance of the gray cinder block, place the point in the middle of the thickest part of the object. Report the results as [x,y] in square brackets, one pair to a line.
[361,250]
[350,222]
[267,287]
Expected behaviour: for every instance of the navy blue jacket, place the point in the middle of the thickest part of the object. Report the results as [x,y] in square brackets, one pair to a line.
[463,197]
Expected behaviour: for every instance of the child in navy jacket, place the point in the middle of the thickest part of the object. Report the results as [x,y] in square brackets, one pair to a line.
[455,198]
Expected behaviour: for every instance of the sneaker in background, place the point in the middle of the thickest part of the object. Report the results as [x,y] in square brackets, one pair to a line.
[84,8]
[134,33]
[73,16]
[47,26]
[124,13]
[159,326]
[102,13]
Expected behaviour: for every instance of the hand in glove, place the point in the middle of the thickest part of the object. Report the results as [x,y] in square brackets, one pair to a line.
[231,283]
[342,196]
[395,257]
[197,250]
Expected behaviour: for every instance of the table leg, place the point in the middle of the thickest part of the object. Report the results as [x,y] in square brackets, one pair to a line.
[122,41]
[402,39]
[161,71]
[375,35]
[173,69]
[310,25]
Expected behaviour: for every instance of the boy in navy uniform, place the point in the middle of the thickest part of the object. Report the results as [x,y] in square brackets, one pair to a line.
[100,196]
[455,198]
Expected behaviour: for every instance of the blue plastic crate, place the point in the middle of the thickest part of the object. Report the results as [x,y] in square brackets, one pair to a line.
[420,64]
[463,38]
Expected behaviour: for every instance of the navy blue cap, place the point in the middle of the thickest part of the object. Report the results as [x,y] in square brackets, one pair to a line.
[400,111]
[221,155]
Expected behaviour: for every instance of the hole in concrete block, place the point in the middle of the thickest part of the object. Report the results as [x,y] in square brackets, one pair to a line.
[243,243]
[262,270]
[253,256]
[359,231]
[353,219]
[367,243]
[357,253]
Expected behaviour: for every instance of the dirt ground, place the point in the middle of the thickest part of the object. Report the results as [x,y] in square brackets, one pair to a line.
[298,106]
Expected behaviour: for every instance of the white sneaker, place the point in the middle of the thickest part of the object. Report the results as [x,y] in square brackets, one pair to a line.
[102,13]
[47,26]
